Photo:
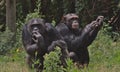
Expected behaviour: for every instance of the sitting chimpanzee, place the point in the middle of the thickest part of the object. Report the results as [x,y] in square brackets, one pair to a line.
[37,37]
[78,39]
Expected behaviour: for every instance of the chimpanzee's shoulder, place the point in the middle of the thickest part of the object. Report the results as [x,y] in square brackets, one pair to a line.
[62,28]
[49,27]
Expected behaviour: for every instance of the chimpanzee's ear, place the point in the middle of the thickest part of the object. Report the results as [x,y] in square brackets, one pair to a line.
[63,20]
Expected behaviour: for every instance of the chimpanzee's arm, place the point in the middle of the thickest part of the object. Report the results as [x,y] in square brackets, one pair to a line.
[57,40]
[89,33]
[79,41]
[52,32]
[99,23]
[27,38]
[30,46]
[71,40]
[92,35]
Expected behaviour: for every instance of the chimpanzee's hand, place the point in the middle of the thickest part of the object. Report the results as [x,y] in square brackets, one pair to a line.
[97,22]
[59,43]
[94,24]
[100,19]
[35,36]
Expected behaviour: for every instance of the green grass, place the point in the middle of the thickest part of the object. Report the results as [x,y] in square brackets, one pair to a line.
[11,63]
[12,67]
[104,54]
[104,57]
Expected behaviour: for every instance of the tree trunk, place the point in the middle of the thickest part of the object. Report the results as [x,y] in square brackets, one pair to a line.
[11,14]
[45,9]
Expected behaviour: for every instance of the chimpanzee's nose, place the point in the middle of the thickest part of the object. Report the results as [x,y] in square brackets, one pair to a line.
[35,28]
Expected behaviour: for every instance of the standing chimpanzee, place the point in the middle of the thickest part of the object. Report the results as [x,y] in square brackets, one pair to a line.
[37,37]
[78,39]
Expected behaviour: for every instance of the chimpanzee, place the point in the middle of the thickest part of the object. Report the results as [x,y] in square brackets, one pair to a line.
[78,39]
[39,38]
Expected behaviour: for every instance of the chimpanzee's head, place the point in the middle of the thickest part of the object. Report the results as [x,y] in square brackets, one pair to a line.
[36,25]
[71,20]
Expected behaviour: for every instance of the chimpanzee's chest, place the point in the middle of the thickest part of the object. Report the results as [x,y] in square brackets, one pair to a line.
[70,37]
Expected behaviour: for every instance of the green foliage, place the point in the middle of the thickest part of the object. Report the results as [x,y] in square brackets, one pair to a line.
[18,43]
[52,61]
[119,5]
[104,53]
[6,42]
[53,23]
[32,15]
[38,5]
[80,5]
[88,10]
[108,30]
[35,61]
[115,35]
[70,66]
[13,62]
[36,13]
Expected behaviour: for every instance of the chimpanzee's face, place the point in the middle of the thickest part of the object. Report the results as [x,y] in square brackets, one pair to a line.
[37,28]
[74,23]
[71,20]
[36,25]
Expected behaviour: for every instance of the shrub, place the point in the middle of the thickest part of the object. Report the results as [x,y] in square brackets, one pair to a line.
[52,61]
[6,42]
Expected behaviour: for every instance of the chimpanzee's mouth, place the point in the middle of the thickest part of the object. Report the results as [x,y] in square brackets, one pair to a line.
[74,26]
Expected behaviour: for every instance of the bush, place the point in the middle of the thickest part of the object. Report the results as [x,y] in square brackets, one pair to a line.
[36,13]
[52,63]
[108,30]
[6,42]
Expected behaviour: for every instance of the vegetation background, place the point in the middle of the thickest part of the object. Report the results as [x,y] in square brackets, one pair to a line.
[104,51]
